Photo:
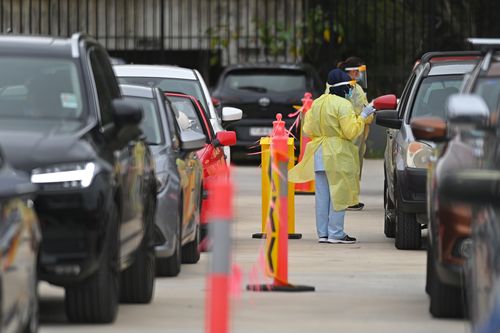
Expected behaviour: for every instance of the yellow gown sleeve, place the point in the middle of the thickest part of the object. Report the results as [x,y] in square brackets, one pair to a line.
[350,124]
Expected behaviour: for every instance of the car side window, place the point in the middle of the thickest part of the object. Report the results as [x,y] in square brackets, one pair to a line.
[405,95]
[105,84]
[173,127]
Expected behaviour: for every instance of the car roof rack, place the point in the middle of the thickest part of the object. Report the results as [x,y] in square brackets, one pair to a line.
[485,44]
[453,55]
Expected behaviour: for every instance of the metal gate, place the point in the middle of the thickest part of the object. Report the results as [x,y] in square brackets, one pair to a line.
[210,34]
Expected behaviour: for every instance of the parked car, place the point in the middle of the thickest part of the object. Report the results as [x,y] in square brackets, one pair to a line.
[461,143]
[19,242]
[436,76]
[262,91]
[64,122]
[181,80]
[212,154]
[179,177]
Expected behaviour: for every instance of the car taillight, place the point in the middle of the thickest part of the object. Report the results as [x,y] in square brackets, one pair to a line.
[216,102]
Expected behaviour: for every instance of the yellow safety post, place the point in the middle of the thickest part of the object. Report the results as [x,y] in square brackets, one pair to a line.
[276,248]
[267,172]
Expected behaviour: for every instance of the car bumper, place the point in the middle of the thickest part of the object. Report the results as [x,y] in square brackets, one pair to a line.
[73,225]
[412,190]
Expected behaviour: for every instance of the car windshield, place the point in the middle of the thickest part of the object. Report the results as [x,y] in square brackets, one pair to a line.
[277,81]
[151,123]
[186,114]
[432,95]
[188,87]
[489,89]
[40,88]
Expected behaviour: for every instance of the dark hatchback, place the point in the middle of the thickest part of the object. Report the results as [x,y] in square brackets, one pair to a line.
[64,122]
[466,238]
[179,177]
[436,76]
[19,242]
[262,91]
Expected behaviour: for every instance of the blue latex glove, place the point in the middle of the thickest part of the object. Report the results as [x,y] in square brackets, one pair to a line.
[367,111]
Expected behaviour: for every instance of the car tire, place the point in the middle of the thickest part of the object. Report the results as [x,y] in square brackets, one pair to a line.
[408,233]
[428,270]
[389,223]
[137,281]
[96,299]
[171,266]
[445,301]
[191,251]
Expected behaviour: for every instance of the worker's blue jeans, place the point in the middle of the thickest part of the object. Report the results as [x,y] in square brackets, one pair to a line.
[329,222]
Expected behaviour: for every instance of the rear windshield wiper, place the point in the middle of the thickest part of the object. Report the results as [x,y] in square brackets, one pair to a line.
[253,88]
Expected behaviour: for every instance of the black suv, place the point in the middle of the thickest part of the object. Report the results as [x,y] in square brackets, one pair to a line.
[262,91]
[434,78]
[63,122]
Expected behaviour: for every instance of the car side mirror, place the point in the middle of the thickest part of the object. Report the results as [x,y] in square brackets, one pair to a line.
[385,102]
[472,186]
[231,114]
[388,118]
[429,128]
[192,141]
[126,112]
[12,185]
[225,138]
[467,111]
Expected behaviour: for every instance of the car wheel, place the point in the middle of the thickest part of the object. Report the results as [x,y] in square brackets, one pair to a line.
[137,281]
[389,223]
[171,266]
[408,234]
[96,299]
[428,271]
[446,301]
[191,251]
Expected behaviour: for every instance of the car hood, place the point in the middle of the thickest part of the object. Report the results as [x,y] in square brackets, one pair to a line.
[28,144]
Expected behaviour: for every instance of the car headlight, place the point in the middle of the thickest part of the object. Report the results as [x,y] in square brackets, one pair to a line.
[161,181]
[73,175]
[418,155]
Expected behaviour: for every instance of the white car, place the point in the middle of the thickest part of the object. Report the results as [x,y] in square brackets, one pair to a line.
[182,80]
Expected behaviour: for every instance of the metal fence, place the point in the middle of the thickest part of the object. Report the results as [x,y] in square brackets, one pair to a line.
[210,34]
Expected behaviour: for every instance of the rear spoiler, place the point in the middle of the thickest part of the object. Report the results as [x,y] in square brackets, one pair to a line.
[449,55]
[485,44]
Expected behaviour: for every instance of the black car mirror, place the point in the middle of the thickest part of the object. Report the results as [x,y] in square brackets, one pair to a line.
[466,111]
[127,112]
[192,141]
[473,186]
[388,118]
[13,186]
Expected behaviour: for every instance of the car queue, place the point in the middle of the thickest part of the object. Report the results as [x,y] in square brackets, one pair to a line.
[102,184]
[447,131]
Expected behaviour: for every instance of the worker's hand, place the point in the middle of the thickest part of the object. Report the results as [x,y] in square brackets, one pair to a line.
[367,111]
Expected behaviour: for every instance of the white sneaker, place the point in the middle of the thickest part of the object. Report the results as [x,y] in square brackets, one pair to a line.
[322,240]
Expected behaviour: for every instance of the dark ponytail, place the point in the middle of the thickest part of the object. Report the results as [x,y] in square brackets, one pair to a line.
[351,62]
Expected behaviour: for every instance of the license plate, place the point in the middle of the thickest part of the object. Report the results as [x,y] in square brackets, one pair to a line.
[260,131]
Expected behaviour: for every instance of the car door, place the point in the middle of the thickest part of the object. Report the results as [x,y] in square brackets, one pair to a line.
[186,167]
[391,146]
[128,152]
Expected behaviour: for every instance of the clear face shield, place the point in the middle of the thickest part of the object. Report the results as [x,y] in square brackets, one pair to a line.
[362,77]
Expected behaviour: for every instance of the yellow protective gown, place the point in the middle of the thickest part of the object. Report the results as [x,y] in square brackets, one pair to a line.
[332,124]
[359,101]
